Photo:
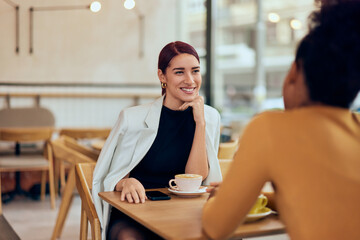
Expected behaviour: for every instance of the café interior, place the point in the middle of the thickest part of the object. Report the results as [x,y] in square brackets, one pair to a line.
[68,67]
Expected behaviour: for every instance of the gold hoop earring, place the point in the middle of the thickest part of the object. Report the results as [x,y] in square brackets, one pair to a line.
[163,85]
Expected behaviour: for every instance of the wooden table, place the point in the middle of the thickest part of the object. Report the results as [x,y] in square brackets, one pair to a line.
[98,145]
[180,218]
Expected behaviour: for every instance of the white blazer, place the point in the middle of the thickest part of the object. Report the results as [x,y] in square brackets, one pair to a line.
[129,141]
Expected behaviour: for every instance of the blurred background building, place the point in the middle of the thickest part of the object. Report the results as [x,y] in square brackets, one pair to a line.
[284,24]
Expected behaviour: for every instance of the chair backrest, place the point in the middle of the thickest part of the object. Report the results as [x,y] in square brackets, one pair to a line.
[65,153]
[85,133]
[224,166]
[75,145]
[26,134]
[26,117]
[35,135]
[84,174]
[228,149]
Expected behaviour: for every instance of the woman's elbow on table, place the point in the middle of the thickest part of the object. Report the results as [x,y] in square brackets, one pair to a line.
[211,226]
[212,231]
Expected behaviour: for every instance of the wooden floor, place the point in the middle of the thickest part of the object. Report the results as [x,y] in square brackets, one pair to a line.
[34,220]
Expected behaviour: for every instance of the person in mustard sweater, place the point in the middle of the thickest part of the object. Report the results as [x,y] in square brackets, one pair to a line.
[311,151]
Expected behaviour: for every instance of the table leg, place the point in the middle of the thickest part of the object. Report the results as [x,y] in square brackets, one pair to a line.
[18,190]
[43,185]
[66,200]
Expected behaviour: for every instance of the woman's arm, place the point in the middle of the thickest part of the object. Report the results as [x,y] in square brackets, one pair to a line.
[241,186]
[271,200]
[103,163]
[197,161]
[131,189]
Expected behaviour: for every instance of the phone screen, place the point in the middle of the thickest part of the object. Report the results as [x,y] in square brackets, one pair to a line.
[157,195]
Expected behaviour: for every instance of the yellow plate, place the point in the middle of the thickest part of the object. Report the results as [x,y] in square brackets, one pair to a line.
[253,217]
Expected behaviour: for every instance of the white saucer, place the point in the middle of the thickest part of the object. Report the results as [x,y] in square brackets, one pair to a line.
[201,190]
[257,216]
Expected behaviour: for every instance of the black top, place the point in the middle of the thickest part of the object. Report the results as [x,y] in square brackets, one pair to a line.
[170,151]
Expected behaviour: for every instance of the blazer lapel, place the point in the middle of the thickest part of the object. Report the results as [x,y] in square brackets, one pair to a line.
[148,134]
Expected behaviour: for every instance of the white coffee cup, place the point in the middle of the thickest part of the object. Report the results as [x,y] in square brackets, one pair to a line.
[186,182]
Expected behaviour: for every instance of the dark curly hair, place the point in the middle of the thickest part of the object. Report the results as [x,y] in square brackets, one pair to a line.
[330,53]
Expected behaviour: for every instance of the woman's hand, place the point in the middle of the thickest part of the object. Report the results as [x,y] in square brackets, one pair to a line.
[131,190]
[215,186]
[198,109]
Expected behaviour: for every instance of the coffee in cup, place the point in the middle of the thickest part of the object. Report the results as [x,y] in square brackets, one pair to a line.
[186,182]
[259,205]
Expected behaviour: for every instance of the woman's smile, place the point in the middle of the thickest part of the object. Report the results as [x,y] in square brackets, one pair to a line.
[188,90]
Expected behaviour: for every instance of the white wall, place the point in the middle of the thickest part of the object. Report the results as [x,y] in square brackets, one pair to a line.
[78,46]
[81,46]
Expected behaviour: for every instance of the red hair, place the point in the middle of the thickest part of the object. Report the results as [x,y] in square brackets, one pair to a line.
[170,51]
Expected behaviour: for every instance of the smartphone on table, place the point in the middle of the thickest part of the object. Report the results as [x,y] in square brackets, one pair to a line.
[157,195]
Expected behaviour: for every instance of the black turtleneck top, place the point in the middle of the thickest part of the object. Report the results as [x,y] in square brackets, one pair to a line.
[170,151]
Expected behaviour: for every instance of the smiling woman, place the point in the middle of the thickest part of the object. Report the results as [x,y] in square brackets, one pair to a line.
[182,80]
[152,143]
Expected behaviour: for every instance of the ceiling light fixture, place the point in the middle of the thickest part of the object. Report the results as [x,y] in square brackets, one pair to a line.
[295,24]
[273,17]
[95,6]
[129,4]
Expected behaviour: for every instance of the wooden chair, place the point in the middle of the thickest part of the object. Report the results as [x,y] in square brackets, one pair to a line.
[84,175]
[26,117]
[228,149]
[81,135]
[75,145]
[64,152]
[85,133]
[29,161]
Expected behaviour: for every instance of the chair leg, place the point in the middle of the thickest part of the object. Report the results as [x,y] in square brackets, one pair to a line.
[96,231]
[62,176]
[51,179]
[66,200]
[51,176]
[43,185]
[83,224]
[56,177]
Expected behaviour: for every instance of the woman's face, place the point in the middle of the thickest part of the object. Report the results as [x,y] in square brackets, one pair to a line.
[183,80]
